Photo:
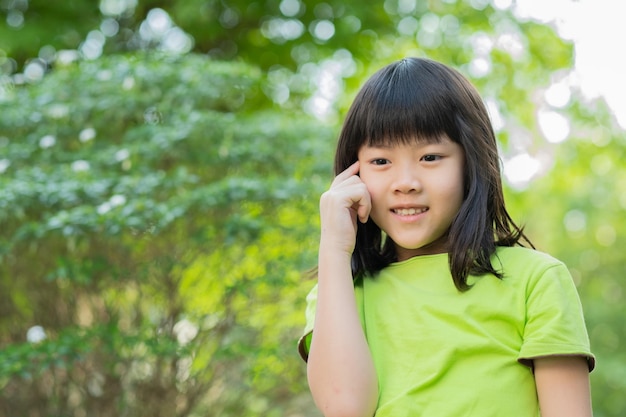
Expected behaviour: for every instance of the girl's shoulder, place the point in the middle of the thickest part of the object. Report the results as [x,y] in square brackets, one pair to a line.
[517,254]
[518,260]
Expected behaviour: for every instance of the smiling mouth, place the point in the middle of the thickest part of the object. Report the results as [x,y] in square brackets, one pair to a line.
[409,211]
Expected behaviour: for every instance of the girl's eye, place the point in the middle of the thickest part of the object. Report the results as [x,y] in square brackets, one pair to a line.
[431,158]
[380,161]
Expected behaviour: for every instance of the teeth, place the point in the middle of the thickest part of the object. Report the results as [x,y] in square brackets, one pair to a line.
[409,211]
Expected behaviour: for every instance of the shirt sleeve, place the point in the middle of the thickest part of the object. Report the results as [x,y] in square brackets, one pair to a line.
[305,341]
[555,324]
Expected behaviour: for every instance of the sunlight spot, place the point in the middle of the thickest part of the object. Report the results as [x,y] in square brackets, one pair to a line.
[281,30]
[4,165]
[158,20]
[7,64]
[600,137]
[92,47]
[116,7]
[36,334]
[176,40]
[408,26]
[520,169]
[280,93]
[540,10]
[18,79]
[481,43]
[479,67]
[35,70]
[47,53]
[502,4]
[479,4]
[122,155]
[512,43]
[80,166]
[450,25]
[575,221]
[558,94]
[95,384]
[346,64]
[318,106]
[185,331]
[229,18]
[601,74]
[141,370]
[87,134]
[103,208]
[57,110]
[323,30]
[117,200]
[292,29]
[104,75]
[554,126]
[152,116]
[430,22]
[428,39]
[109,27]
[47,141]
[290,8]
[67,56]
[406,6]
[15,18]
[327,81]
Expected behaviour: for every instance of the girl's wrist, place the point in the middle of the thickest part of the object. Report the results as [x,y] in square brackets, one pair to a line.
[331,248]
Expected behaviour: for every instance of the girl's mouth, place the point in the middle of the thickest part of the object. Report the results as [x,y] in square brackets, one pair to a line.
[409,211]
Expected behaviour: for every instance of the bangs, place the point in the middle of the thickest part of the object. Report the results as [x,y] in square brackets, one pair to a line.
[400,105]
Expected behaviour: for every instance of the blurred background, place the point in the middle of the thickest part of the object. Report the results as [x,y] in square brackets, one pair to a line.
[161,164]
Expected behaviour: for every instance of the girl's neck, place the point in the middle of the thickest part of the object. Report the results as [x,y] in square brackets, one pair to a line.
[437,247]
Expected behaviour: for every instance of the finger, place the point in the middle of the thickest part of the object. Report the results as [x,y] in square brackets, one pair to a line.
[347,173]
[364,207]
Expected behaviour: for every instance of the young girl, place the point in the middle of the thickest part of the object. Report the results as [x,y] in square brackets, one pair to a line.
[427,304]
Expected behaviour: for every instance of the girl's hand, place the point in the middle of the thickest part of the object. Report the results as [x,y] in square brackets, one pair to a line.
[340,206]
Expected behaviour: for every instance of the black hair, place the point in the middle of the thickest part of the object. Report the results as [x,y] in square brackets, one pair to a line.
[420,99]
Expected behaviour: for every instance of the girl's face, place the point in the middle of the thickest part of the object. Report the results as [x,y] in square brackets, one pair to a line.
[416,191]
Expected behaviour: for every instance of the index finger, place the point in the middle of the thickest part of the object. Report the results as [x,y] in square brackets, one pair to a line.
[348,172]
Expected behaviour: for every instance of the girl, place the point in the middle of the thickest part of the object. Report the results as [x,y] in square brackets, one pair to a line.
[427,304]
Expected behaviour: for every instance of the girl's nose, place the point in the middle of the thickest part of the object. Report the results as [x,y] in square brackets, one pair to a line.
[407,181]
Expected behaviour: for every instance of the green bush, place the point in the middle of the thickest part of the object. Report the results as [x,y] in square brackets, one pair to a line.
[157,217]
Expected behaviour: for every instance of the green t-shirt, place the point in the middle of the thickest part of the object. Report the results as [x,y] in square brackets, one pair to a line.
[441,352]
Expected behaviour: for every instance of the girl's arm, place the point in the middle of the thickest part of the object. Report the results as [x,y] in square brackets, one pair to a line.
[340,369]
[563,386]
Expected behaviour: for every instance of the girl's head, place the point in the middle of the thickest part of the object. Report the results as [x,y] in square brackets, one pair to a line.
[421,100]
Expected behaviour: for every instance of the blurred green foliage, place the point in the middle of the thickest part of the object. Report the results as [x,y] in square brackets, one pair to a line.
[160,165]
[139,230]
